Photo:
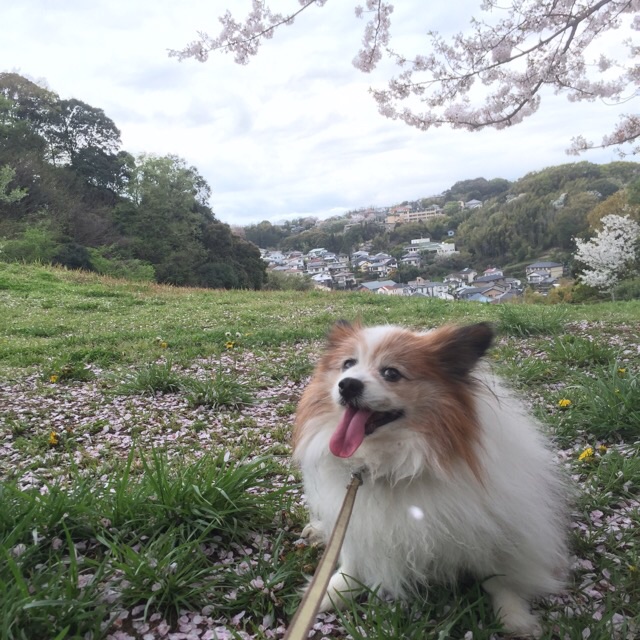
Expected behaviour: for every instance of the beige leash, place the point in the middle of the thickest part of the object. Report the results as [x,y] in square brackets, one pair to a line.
[308,608]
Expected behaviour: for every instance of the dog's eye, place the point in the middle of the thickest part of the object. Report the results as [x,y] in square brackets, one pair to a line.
[347,364]
[390,374]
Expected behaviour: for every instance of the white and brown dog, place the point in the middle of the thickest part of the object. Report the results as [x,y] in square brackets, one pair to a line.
[459,479]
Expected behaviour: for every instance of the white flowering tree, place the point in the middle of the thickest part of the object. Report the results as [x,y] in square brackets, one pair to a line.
[492,76]
[611,254]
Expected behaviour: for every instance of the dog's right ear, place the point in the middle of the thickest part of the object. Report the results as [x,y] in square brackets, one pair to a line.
[341,330]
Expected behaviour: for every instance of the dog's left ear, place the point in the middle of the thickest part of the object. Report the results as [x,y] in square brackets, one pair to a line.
[341,330]
[462,347]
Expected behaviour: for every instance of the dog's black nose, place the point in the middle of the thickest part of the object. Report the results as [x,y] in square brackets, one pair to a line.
[350,388]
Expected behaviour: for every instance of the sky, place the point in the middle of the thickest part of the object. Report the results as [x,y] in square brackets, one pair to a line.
[293,133]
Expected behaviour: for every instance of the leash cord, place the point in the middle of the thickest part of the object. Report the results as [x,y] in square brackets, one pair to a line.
[308,608]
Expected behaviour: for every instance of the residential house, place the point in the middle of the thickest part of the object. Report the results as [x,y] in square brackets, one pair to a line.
[382,267]
[454,280]
[494,292]
[446,249]
[468,274]
[432,289]
[394,290]
[473,204]
[467,292]
[495,278]
[343,280]
[372,287]
[550,269]
[316,266]
[411,260]
[274,257]
[323,279]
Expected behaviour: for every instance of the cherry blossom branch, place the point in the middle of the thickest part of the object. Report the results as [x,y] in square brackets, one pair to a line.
[243,39]
[491,78]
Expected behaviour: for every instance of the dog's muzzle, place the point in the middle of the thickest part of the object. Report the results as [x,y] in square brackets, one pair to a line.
[350,388]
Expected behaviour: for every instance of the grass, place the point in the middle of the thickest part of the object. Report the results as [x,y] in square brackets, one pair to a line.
[166,499]
[221,391]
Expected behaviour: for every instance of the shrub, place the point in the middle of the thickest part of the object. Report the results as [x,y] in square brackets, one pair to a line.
[116,267]
[277,281]
[36,244]
[628,290]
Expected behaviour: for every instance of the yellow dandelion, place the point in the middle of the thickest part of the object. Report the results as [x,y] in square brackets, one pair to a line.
[602,449]
[163,345]
[230,344]
[564,403]
[53,439]
[622,370]
[53,378]
[586,455]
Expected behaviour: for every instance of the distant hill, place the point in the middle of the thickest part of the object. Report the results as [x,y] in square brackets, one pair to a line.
[535,216]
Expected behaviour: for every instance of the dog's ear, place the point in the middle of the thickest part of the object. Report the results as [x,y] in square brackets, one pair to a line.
[462,347]
[341,330]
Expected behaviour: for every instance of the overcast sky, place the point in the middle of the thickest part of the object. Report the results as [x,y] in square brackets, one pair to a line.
[293,133]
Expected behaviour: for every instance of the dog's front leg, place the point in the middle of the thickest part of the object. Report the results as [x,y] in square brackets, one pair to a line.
[343,588]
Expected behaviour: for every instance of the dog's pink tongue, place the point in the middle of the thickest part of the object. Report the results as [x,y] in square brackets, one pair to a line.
[349,434]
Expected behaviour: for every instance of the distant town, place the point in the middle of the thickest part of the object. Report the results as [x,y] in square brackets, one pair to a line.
[373,272]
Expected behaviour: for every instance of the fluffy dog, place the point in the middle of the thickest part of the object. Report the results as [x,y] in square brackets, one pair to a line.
[459,479]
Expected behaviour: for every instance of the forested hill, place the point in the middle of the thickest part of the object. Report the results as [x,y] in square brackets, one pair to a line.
[70,195]
[537,215]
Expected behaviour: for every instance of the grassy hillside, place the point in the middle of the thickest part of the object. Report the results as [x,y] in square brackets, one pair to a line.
[146,483]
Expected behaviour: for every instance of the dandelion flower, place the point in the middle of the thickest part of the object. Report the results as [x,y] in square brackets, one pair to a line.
[564,403]
[53,378]
[53,439]
[230,344]
[622,370]
[602,449]
[163,345]
[586,455]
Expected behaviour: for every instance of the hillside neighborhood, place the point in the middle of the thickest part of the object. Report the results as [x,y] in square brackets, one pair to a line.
[367,272]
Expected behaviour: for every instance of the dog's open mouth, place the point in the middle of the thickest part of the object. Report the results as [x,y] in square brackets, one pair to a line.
[355,425]
[379,419]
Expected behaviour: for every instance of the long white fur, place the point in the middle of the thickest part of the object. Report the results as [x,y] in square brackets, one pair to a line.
[508,531]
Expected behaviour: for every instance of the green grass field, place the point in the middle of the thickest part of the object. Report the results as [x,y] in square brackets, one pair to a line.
[146,485]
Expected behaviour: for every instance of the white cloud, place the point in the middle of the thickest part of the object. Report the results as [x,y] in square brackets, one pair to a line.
[295,132]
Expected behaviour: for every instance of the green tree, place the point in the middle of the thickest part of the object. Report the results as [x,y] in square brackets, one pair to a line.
[7,174]
[74,125]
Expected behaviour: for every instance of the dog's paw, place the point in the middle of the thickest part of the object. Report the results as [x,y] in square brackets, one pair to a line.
[513,611]
[521,624]
[340,592]
[313,533]
[518,621]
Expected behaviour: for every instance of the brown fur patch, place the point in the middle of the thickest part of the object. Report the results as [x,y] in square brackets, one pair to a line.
[447,416]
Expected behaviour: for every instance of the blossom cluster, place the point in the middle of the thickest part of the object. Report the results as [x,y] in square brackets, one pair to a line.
[610,253]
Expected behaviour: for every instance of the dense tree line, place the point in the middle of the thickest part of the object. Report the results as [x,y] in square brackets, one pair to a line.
[70,195]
